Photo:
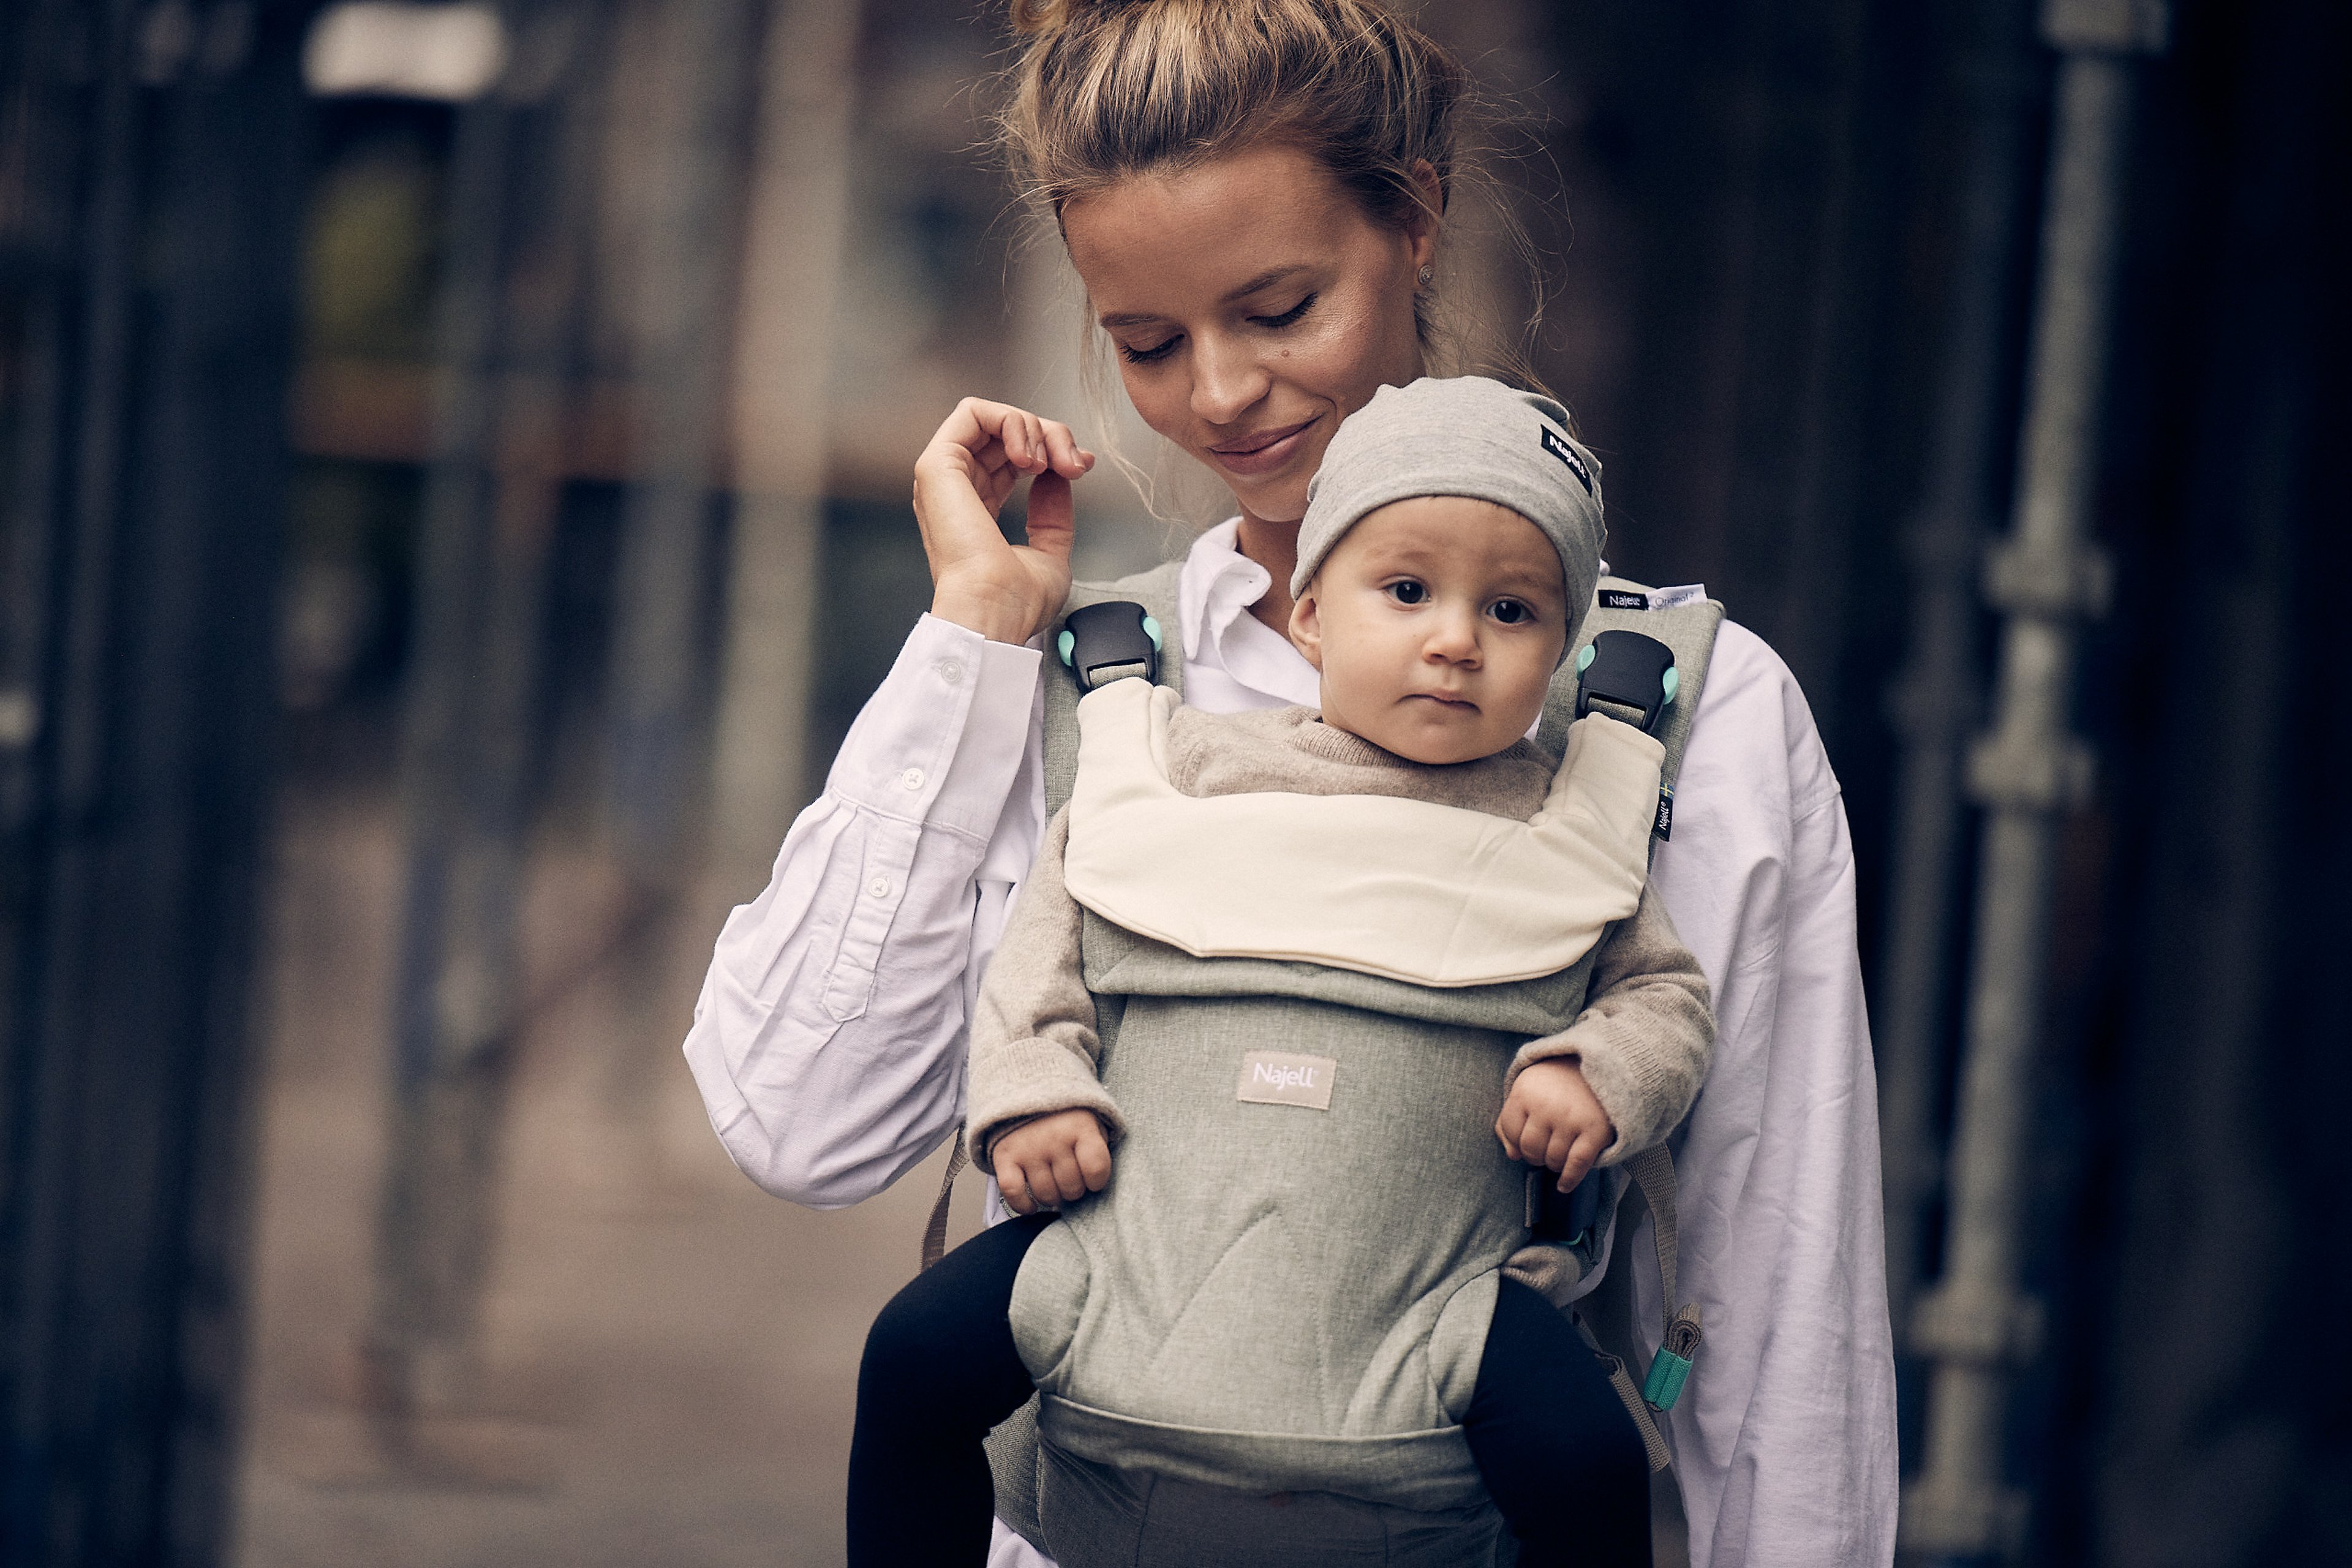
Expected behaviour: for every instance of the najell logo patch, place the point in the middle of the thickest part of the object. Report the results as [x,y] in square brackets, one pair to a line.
[1279,1078]
[1557,445]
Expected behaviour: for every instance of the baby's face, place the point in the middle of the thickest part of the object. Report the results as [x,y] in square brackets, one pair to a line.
[1436,623]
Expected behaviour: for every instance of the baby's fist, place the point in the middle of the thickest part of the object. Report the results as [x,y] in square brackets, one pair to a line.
[1055,1159]
[1552,1119]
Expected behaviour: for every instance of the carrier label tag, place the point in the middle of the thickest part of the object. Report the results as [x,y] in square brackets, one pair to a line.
[1278,1077]
[1619,599]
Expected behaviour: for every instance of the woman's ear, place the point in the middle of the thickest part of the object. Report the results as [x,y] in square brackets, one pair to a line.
[1422,225]
[1307,627]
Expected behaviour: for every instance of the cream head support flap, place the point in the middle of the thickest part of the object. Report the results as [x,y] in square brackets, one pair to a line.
[1427,894]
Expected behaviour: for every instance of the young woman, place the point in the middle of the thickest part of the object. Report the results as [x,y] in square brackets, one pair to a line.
[1252,192]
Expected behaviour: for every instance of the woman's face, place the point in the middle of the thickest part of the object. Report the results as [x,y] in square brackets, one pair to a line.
[1253,307]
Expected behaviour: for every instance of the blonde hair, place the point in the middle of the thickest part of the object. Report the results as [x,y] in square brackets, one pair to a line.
[1111,88]
[1104,90]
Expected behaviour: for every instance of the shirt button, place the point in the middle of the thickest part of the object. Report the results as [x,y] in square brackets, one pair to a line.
[879,886]
[912,779]
[951,671]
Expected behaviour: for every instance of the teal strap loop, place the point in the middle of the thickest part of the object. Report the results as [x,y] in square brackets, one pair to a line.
[1668,1372]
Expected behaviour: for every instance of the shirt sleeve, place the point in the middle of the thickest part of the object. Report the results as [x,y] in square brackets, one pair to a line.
[828,1040]
[1784,1441]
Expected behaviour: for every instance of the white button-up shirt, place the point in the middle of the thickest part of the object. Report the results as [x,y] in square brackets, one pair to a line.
[829,1038]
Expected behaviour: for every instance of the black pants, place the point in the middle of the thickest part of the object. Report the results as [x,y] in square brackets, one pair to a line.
[1560,1457]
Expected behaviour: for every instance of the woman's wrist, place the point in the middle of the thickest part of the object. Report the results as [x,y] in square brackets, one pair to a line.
[992,616]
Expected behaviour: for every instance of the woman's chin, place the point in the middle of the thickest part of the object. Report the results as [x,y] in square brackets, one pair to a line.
[1277,503]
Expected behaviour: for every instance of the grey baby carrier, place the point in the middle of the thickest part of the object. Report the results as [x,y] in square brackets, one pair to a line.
[1275,1370]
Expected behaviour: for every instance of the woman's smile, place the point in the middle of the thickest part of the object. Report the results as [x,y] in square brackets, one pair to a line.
[1266,450]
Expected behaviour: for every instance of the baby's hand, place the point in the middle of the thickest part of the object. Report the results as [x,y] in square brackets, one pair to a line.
[1055,1160]
[1551,1118]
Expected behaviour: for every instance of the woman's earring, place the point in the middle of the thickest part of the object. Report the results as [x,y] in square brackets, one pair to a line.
[1424,276]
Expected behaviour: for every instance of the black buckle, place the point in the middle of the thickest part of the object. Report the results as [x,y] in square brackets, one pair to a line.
[1109,641]
[1627,674]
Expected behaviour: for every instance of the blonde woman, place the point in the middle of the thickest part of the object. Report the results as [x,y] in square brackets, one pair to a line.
[1253,192]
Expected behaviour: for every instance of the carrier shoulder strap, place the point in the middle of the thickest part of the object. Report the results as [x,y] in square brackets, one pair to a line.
[1684,619]
[1687,621]
[1156,591]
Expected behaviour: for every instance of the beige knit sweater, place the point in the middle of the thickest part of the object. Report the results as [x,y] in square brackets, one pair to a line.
[1643,1041]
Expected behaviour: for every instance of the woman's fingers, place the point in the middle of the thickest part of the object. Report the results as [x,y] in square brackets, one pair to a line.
[1053,519]
[1066,458]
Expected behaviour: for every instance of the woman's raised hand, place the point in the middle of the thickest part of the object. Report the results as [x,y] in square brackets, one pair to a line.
[1007,593]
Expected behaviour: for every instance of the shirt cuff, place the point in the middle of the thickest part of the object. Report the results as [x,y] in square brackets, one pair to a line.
[942,737]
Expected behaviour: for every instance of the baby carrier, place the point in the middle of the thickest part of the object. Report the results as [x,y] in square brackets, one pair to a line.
[1276,1369]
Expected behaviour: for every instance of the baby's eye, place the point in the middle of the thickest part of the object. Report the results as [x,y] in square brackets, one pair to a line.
[1512,613]
[1409,592]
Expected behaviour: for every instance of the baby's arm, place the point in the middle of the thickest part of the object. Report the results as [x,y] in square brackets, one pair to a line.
[1618,1079]
[1037,1117]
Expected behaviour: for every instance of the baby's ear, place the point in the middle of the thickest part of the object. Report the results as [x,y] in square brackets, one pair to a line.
[1307,627]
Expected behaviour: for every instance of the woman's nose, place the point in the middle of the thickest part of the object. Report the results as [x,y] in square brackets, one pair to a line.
[1227,380]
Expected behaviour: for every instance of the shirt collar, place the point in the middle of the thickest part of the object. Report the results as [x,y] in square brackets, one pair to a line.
[1214,594]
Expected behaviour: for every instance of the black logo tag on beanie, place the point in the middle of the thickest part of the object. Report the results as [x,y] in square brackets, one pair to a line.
[1619,599]
[1557,445]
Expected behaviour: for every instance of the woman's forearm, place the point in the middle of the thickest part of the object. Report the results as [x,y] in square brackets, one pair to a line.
[829,1037]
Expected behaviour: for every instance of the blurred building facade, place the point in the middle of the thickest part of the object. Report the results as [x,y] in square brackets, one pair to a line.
[509,406]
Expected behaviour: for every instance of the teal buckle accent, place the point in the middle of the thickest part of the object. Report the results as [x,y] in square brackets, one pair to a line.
[1066,643]
[1668,1372]
[1150,629]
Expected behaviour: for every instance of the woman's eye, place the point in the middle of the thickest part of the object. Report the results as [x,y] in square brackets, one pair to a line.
[1512,613]
[1145,357]
[1408,592]
[1287,317]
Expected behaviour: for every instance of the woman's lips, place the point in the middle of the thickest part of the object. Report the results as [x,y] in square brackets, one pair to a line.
[1264,452]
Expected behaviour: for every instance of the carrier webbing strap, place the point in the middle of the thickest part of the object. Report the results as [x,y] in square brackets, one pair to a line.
[1653,1442]
[935,1234]
[1653,1171]
[1156,591]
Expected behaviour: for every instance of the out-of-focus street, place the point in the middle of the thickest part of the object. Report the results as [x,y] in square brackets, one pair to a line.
[668,1353]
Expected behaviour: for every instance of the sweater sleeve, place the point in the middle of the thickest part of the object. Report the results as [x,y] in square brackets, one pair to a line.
[1647,1035]
[1033,1045]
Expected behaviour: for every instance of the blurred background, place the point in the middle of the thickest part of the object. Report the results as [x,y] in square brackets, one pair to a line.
[452,476]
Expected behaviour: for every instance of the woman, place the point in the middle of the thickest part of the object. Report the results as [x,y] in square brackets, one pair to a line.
[1253,192]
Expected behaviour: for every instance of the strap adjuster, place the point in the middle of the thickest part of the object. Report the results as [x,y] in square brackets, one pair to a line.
[1630,677]
[1109,641]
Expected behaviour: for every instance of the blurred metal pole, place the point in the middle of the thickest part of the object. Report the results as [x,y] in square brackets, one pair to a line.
[518,192]
[685,224]
[794,237]
[1935,701]
[1976,1324]
[149,230]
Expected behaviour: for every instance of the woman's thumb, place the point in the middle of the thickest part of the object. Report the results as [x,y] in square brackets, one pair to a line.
[1051,517]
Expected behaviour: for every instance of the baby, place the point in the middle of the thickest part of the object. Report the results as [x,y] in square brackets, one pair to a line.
[1320,882]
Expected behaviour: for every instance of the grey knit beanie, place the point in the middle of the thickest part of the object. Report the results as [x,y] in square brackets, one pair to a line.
[1470,436]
